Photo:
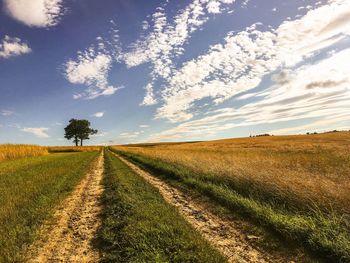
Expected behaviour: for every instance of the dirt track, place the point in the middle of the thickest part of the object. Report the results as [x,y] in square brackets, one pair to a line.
[223,234]
[68,237]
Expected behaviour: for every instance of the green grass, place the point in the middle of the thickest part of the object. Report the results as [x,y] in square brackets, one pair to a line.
[327,234]
[30,188]
[139,226]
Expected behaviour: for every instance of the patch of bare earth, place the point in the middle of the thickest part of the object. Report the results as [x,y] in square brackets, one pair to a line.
[224,234]
[67,238]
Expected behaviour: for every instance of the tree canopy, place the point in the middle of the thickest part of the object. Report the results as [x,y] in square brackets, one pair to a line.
[78,130]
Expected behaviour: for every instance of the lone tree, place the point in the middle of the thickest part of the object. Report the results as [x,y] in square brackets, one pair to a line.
[78,130]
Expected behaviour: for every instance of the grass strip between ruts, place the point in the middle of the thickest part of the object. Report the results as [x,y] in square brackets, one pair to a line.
[138,225]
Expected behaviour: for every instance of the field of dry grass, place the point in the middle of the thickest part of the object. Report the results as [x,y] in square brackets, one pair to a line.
[297,186]
[305,170]
[14,151]
[57,149]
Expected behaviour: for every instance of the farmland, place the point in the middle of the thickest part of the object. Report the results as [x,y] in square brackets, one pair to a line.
[30,188]
[199,131]
[261,199]
[148,228]
[295,185]
[13,151]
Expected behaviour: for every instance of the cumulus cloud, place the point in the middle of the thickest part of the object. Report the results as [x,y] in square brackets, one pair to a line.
[98,114]
[245,57]
[13,46]
[38,132]
[35,13]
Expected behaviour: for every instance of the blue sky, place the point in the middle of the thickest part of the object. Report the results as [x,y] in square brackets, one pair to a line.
[145,71]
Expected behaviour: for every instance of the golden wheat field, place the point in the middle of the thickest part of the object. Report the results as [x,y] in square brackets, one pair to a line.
[54,149]
[13,151]
[305,170]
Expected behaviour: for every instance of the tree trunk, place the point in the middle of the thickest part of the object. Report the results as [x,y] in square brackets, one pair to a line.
[81,142]
[76,141]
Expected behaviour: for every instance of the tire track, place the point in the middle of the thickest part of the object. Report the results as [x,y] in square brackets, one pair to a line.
[68,238]
[223,234]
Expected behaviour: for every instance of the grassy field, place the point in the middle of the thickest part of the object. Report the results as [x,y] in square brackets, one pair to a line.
[297,186]
[29,189]
[139,226]
[14,151]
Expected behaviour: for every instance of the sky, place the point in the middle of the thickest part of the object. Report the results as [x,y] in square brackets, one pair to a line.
[149,71]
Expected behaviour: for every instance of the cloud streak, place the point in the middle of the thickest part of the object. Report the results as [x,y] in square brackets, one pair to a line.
[279,103]
[38,132]
[99,114]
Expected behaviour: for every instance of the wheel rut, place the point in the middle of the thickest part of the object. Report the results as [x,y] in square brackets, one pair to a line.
[68,236]
[224,234]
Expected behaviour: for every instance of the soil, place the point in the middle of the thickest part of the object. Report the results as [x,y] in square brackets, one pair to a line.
[68,236]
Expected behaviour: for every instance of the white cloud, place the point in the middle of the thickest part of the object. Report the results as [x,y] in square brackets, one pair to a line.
[149,98]
[98,114]
[35,13]
[7,112]
[13,46]
[240,63]
[130,135]
[317,93]
[167,39]
[91,71]
[92,66]
[214,7]
[38,132]
[144,126]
